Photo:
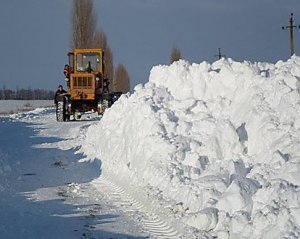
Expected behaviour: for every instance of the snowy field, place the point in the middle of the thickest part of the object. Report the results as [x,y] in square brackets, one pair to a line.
[15,106]
[200,151]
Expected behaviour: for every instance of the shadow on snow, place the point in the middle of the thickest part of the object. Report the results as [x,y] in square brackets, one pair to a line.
[32,169]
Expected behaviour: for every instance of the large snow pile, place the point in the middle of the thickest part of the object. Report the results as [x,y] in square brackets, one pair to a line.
[221,140]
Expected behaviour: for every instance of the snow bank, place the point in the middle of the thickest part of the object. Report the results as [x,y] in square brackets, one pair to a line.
[221,140]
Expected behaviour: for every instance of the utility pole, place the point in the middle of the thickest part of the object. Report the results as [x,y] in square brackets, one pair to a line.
[219,56]
[291,27]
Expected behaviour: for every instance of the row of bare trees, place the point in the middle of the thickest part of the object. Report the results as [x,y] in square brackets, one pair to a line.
[25,94]
[86,35]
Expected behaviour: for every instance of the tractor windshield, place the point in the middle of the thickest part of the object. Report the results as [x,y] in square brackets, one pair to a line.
[88,62]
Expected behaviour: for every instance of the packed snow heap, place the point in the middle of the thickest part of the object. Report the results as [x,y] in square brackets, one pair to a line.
[219,142]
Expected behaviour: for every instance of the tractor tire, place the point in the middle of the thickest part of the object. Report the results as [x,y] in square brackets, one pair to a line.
[104,105]
[61,111]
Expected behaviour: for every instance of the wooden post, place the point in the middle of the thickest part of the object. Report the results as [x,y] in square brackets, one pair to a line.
[219,55]
[291,27]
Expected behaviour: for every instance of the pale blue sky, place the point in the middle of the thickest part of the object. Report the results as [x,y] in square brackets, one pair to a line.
[35,34]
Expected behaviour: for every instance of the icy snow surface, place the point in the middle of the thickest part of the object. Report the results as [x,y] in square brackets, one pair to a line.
[216,144]
[45,192]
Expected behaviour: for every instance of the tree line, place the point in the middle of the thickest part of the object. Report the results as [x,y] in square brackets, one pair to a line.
[25,94]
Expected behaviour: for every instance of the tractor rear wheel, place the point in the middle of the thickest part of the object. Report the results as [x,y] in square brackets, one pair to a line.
[102,106]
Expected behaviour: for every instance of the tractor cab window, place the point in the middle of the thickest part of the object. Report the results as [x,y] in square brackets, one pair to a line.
[71,60]
[88,62]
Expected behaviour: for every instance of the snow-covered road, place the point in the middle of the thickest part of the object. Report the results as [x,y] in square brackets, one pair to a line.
[45,192]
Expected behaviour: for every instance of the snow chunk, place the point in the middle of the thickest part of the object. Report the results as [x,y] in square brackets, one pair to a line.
[205,220]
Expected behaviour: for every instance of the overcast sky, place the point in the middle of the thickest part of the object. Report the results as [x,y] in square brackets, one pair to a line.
[35,34]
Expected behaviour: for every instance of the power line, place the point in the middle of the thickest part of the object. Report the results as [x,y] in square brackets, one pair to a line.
[291,27]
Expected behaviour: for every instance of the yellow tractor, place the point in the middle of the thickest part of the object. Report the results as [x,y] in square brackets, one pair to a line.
[88,90]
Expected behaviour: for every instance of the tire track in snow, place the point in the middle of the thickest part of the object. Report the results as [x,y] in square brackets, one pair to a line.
[151,223]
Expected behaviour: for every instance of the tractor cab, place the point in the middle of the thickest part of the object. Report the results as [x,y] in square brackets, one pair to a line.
[85,74]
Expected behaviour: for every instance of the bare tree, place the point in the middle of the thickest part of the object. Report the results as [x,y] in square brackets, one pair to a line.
[83,23]
[85,34]
[122,80]
[100,41]
[109,65]
[175,55]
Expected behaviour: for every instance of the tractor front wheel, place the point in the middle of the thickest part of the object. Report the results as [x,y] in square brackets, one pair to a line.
[61,110]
